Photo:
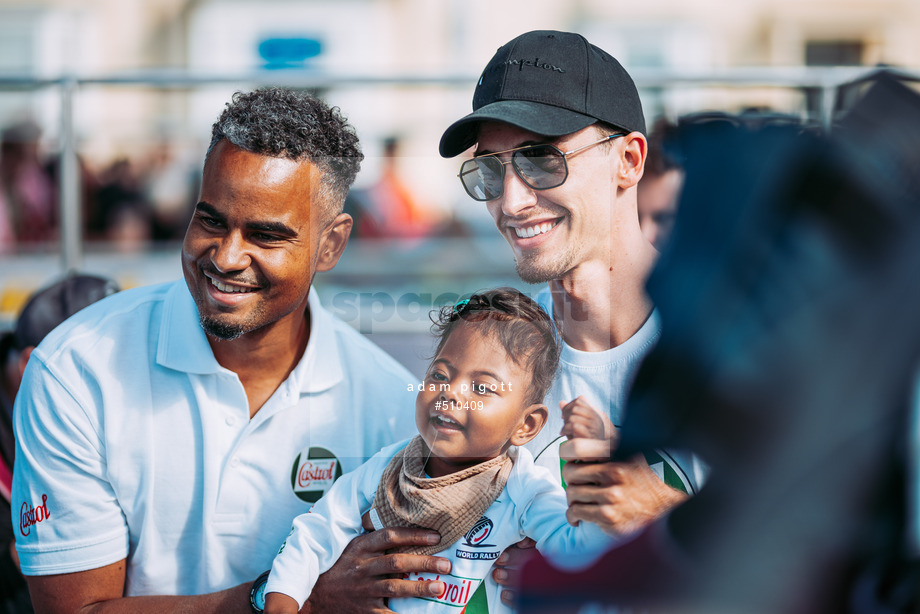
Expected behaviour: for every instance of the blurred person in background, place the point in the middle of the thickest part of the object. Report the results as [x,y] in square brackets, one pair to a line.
[7,237]
[45,310]
[27,188]
[169,182]
[166,439]
[560,149]
[121,214]
[389,208]
[659,189]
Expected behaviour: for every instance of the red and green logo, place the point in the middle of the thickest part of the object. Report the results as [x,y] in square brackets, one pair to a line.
[314,471]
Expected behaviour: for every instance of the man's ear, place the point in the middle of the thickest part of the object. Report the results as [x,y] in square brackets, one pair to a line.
[333,241]
[532,423]
[632,160]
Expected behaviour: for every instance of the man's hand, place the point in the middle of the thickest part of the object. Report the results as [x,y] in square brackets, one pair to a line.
[620,498]
[580,420]
[365,577]
[506,566]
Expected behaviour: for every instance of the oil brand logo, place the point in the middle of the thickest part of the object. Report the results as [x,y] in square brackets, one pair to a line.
[457,590]
[313,473]
[30,516]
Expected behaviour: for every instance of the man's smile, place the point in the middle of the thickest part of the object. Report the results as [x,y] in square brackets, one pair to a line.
[223,287]
[532,230]
[228,293]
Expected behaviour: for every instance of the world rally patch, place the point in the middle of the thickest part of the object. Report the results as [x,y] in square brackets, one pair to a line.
[314,471]
[476,538]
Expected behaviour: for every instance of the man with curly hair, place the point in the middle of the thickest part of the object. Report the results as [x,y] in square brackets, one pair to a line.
[168,435]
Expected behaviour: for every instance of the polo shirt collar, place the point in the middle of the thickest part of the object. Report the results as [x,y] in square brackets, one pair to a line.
[183,345]
[321,365]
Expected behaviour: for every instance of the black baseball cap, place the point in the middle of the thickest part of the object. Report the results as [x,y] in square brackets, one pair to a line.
[550,83]
[55,303]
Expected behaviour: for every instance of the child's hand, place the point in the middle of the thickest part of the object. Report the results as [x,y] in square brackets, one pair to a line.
[366,523]
[584,422]
[278,603]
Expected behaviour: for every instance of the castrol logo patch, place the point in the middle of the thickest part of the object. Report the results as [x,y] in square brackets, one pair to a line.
[31,515]
[313,473]
[457,590]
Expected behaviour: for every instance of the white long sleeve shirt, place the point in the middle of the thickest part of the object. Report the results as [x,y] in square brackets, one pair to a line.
[532,504]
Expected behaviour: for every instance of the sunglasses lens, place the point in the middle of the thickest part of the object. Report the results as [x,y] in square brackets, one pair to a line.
[482,177]
[541,166]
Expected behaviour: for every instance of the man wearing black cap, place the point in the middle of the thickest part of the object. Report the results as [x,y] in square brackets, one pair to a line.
[43,312]
[560,148]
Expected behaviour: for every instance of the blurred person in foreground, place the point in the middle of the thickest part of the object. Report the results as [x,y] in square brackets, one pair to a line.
[167,437]
[659,189]
[794,258]
[44,310]
[560,149]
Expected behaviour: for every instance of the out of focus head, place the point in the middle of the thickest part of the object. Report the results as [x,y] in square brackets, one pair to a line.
[659,189]
[50,306]
[53,304]
[19,141]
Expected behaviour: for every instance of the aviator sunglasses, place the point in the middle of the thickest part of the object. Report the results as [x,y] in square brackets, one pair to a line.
[540,167]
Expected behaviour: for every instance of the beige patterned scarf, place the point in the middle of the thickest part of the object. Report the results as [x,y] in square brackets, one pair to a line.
[450,505]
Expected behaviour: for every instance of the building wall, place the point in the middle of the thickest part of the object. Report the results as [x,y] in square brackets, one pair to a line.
[102,37]
[442,39]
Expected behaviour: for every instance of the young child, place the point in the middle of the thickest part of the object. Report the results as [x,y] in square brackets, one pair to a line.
[462,475]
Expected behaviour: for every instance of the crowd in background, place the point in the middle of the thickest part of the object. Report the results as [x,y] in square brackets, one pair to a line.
[128,201]
[131,202]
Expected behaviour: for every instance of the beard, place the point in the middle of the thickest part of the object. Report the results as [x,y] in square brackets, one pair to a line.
[221,330]
[532,270]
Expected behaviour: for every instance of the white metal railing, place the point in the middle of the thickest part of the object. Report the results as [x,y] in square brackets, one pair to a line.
[826,80]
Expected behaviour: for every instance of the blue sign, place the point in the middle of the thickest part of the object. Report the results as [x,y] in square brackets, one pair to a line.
[288,52]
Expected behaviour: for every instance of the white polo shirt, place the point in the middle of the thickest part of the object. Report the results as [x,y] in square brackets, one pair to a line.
[132,441]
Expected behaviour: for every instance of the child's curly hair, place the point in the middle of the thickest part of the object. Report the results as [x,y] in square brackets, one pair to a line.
[522,327]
